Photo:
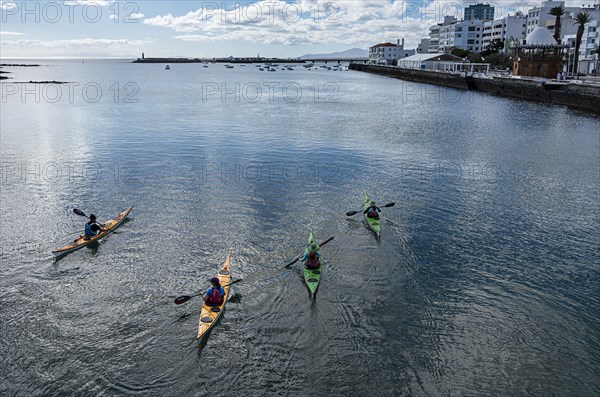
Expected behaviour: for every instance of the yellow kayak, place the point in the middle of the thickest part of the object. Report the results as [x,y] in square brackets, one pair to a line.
[81,241]
[211,314]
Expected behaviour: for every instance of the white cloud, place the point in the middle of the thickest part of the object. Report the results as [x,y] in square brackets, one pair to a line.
[8,5]
[4,33]
[100,3]
[354,22]
[75,43]
[135,16]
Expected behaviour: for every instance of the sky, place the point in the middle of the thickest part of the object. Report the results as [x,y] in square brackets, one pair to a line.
[271,28]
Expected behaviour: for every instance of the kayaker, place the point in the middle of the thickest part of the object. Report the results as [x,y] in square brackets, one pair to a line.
[215,293]
[312,256]
[92,228]
[372,211]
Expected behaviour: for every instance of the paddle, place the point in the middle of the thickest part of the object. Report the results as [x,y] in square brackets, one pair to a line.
[184,298]
[351,213]
[80,213]
[298,257]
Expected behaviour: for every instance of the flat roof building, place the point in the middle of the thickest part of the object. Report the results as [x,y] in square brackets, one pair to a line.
[483,12]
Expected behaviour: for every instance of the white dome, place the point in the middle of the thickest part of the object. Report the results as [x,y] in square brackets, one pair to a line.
[540,36]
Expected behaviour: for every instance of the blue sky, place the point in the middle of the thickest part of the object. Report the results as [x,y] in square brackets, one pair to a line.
[274,28]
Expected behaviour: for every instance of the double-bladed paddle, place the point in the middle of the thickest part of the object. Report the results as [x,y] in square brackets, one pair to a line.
[80,212]
[351,213]
[184,298]
[298,257]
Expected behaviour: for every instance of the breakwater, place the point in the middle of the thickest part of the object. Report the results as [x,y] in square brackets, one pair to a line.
[579,96]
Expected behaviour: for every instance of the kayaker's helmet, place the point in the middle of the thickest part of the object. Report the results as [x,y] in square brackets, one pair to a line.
[372,202]
[314,247]
[215,280]
[92,217]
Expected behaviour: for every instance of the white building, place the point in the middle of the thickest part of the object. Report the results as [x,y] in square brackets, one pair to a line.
[434,33]
[423,47]
[465,35]
[388,53]
[588,62]
[540,16]
[442,62]
[503,29]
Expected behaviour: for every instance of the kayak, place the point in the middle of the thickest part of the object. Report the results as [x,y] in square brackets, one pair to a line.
[374,224]
[81,241]
[312,277]
[209,315]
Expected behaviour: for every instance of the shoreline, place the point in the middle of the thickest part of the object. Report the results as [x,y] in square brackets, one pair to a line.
[215,60]
[578,96]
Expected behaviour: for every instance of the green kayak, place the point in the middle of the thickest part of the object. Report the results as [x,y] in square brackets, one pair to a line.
[374,223]
[312,277]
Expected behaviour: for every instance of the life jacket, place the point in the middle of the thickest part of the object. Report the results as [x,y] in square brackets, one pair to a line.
[312,261]
[88,230]
[215,296]
[372,213]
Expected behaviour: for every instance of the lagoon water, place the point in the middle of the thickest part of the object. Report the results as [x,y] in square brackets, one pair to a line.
[484,281]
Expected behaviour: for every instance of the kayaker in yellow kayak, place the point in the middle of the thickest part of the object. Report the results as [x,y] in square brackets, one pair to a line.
[215,293]
[372,211]
[312,256]
[92,228]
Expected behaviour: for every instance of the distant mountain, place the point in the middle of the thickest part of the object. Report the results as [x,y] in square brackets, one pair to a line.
[351,53]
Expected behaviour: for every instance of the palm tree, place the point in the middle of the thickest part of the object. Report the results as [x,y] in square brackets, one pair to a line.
[582,19]
[558,12]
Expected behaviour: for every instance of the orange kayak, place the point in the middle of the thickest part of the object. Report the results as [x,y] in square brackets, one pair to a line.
[211,314]
[81,241]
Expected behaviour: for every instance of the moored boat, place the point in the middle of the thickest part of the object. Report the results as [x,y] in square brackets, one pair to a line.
[82,241]
[210,314]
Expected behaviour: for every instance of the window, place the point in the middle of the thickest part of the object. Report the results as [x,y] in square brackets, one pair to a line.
[470,41]
[471,28]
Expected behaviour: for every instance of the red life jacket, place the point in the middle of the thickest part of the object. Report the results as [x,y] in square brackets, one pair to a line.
[215,297]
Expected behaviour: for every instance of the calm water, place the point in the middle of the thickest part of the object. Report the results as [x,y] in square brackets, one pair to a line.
[484,282]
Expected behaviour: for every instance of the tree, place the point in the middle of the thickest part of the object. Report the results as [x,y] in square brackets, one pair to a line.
[582,19]
[558,12]
[498,60]
[459,53]
[495,46]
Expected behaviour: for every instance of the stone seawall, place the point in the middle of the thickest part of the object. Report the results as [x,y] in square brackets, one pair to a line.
[579,96]
[419,76]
